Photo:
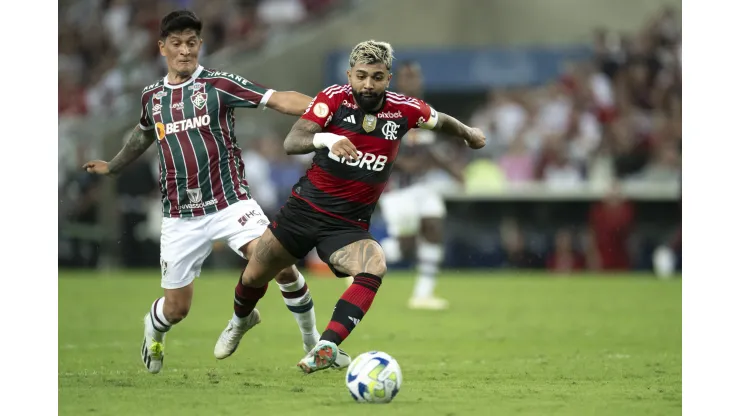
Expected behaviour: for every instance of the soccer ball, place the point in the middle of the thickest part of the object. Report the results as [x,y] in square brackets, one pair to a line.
[373,377]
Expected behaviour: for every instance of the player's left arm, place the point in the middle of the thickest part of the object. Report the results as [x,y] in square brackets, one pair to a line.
[430,119]
[474,137]
[288,102]
[241,92]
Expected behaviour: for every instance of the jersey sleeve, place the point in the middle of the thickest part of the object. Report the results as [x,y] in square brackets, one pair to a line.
[145,122]
[237,91]
[321,109]
[426,117]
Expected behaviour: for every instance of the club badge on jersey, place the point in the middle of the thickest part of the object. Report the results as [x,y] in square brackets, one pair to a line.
[368,124]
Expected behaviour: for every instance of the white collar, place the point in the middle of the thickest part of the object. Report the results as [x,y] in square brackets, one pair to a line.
[192,78]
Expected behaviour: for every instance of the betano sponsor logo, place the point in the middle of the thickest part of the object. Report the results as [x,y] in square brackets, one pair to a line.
[182,125]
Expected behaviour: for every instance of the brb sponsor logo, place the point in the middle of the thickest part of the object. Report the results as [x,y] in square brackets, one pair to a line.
[367,161]
[182,125]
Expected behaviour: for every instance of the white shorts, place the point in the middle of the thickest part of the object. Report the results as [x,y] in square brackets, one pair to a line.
[186,242]
[403,209]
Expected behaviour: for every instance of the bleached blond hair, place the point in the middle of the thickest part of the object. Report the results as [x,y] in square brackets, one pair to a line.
[372,52]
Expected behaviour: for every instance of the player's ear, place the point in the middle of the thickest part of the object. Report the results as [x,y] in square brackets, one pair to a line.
[349,76]
[161,47]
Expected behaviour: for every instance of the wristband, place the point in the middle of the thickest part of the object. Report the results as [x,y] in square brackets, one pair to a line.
[321,140]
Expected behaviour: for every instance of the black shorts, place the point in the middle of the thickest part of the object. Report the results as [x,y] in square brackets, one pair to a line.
[300,228]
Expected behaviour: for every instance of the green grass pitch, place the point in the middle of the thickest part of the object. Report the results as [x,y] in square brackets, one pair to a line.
[526,344]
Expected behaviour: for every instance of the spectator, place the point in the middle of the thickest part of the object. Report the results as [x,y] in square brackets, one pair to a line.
[565,258]
[611,223]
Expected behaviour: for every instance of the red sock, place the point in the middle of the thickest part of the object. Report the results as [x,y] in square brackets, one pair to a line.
[246,298]
[352,307]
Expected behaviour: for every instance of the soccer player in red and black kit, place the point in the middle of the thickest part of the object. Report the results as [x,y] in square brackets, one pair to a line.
[355,130]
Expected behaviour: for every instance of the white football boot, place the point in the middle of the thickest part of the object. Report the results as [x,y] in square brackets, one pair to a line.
[321,357]
[229,339]
[343,359]
[152,350]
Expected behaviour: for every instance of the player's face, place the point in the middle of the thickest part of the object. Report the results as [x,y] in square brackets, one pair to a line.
[181,50]
[369,83]
[409,81]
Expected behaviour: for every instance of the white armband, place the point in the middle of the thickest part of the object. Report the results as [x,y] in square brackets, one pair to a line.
[321,140]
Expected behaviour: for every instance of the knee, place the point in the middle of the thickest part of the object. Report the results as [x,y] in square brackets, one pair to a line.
[251,278]
[286,276]
[378,269]
[432,230]
[408,246]
[176,311]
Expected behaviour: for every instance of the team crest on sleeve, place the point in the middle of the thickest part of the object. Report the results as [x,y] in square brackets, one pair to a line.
[368,124]
[199,100]
[321,110]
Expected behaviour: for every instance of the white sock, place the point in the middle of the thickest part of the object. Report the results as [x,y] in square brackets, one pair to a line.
[160,323]
[429,257]
[239,321]
[297,298]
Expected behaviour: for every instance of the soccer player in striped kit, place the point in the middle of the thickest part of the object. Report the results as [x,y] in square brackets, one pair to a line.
[205,195]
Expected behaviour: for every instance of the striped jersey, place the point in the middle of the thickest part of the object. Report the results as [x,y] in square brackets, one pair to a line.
[349,190]
[200,163]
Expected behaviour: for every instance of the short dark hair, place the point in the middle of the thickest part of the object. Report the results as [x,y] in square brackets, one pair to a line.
[178,21]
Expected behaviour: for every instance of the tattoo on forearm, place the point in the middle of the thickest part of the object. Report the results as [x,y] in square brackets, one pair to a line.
[361,256]
[300,139]
[452,126]
[137,144]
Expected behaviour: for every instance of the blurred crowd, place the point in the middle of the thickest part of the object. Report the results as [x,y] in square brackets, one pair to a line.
[617,115]
[109,47]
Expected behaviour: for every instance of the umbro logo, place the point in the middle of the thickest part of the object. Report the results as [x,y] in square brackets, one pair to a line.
[350,119]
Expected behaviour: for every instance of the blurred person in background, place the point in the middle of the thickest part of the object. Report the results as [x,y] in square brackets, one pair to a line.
[517,254]
[565,258]
[412,206]
[611,222]
[205,195]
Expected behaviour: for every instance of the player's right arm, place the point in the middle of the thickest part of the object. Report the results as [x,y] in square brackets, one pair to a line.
[138,142]
[307,133]
[141,138]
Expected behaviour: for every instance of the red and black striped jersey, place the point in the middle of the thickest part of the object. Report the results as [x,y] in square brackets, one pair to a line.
[350,189]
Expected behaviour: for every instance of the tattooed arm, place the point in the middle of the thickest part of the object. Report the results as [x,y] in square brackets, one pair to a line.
[137,144]
[306,137]
[473,137]
[364,256]
[300,139]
